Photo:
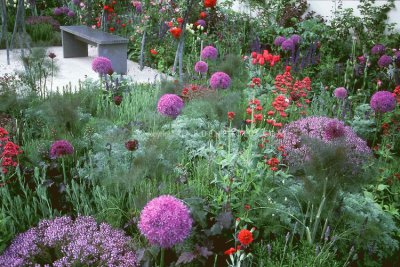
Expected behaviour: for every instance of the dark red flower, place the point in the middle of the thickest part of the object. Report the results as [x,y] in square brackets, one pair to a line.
[231,115]
[132,145]
[203,15]
[176,32]
[112,29]
[245,237]
[117,100]
[210,3]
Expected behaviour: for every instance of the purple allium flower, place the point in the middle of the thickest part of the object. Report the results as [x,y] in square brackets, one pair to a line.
[102,65]
[165,221]
[220,80]
[201,67]
[209,52]
[65,10]
[340,93]
[201,22]
[295,39]
[71,14]
[334,129]
[288,45]
[279,40]
[61,148]
[378,49]
[58,11]
[383,101]
[397,58]
[70,242]
[325,129]
[76,2]
[170,105]
[384,61]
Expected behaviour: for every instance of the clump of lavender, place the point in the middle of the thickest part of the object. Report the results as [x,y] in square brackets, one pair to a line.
[327,130]
[165,221]
[378,49]
[102,65]
[209,52]
[220,80]
[384,61]
[61,148]
[66,242]
[279,40]
[383,101]
[201,67]
[340,93]
[170,105]
[288,45]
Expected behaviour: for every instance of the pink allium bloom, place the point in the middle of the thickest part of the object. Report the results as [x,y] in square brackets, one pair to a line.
[220,80]
[340,93]
[383,101]
[378,49]
[209,52]
[61,148]
[201,67]
[165,221]
[102,65]
[170,105]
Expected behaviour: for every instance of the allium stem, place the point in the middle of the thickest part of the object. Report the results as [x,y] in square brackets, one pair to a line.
[162,257]
[64,172]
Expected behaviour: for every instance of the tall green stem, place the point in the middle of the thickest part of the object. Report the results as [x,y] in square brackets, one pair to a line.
[162,258]
[64,172]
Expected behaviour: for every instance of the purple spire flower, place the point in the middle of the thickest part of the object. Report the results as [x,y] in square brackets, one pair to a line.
[383,101]
[201,67]
[295,39]
[378,49]
[61,148]
[384,61]
[70,242]
[201,22]
[170,105]
[340,93]
[209,52]
[58,11]
[288,45]
[220,80]
[165,221]
[279,40]
[102,65]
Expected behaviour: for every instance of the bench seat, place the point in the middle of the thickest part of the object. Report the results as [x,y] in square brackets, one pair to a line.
[75,40]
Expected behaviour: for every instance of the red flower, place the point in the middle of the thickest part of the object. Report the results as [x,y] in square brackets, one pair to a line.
[179,20]
[112,29]
[203,15]
[132,145]
[231,115]
[247,207]
[176,32]
[123,25]
[230,251]
[245,237]
[210,3]
[117,100]
[153,52]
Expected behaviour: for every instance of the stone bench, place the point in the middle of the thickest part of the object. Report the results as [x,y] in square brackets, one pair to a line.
[75,40]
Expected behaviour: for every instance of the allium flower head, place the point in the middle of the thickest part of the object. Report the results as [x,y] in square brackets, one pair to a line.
[378,49]
[71,14]
[70,242]
[220,80]
[102,65]
[165,221]
[209,52]
[279,40]
[334,129]
[340,93]
[384,61]
[288,45]
[201,67]
[170,105]
[295,39]
[201,22]
[76,2]
[61,148]
[383,101]
[58,11]
[397,58]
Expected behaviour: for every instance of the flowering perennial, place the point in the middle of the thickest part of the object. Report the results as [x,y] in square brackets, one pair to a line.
[209,52]
[61,148]
[102,65]
[383,101]
[220,80]
[170,105]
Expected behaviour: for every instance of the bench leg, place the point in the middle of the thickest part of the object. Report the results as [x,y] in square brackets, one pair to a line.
[72,47]
[117,53]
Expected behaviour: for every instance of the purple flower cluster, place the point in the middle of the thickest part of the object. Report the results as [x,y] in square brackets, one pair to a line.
[170,105]
[397,58]
[75,243]
[384,61]
[34,20]
[76,2]
[201,67]
[340,93]
[330,131]
[165,221]
[378,49]
[288,45]
[61,148]
[220,80]
[295,39]
[279,40]
[383,101]
[58,11]
[209,52]
[201,22]
[102,65]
